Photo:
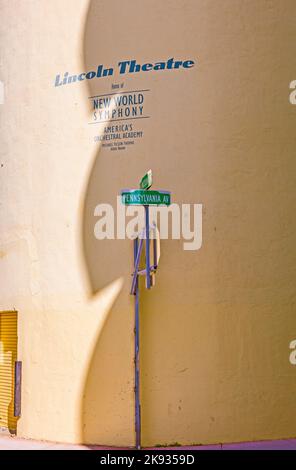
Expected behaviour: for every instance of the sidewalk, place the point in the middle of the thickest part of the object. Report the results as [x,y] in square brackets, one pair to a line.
[14,443]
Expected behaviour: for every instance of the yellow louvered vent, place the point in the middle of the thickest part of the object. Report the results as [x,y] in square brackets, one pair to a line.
[8,356]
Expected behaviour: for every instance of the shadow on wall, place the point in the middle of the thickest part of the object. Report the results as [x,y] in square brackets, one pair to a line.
[208,328]
[169,345]
[107,405]
[108,398]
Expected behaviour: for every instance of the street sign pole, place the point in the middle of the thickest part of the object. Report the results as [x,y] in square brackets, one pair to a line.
[142,197]
[137,356]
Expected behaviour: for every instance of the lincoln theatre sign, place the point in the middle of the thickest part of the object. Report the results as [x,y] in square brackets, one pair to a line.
[123,67]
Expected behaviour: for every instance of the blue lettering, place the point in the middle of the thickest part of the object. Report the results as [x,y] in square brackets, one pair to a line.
[90,75]
[188,64]
[57,81]
[147,67]
[122,66]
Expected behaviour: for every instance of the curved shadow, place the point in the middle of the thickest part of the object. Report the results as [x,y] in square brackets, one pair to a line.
[108,396]
[108,388]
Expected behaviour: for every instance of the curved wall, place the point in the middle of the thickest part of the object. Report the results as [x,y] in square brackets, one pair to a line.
[216,330]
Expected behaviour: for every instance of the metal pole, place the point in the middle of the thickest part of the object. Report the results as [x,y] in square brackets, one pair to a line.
[135,290]
[148,279]
[137,356]
[137,257]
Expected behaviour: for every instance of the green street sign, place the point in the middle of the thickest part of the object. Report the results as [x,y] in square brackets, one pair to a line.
[146,181]
[140,197]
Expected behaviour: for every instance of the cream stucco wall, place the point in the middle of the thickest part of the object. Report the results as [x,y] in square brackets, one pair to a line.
[216,329]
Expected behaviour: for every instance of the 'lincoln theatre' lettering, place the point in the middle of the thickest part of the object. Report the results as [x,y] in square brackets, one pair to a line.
[124,67]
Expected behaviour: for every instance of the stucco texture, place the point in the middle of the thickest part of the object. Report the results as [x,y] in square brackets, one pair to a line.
[216,329]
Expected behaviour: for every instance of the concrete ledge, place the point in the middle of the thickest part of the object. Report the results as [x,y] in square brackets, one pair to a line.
[14,443]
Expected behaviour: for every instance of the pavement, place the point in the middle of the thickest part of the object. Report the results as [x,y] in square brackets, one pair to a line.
[15,443]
